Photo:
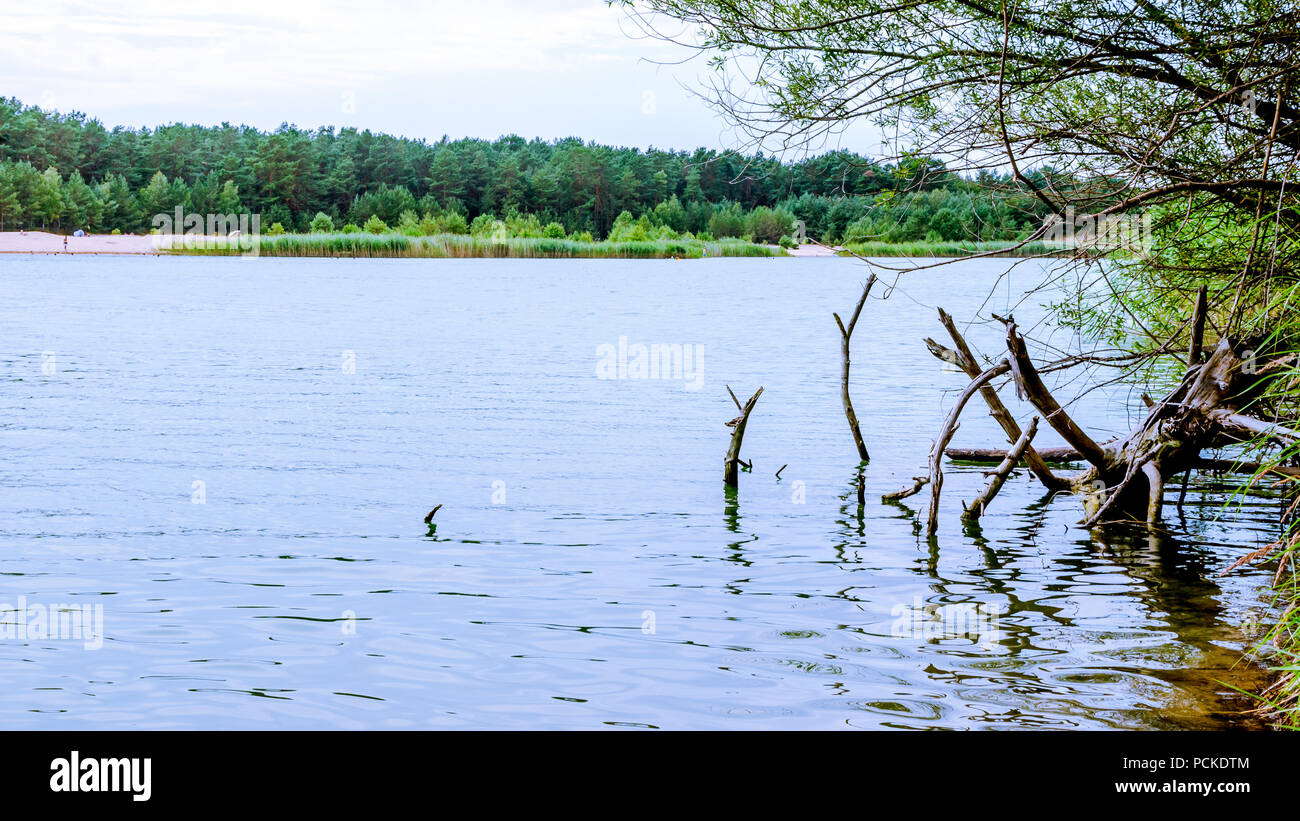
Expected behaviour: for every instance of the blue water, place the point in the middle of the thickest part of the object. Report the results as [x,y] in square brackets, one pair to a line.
[233,457]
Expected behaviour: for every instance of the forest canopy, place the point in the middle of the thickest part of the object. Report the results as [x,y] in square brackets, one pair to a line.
[67,171]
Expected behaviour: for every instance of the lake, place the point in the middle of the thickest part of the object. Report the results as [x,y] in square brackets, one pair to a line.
[231,458]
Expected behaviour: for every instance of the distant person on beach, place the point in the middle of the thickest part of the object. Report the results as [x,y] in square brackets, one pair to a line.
[65,245]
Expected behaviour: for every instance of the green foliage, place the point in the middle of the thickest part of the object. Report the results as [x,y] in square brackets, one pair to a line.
[374,225]
[322,223]
[275,230]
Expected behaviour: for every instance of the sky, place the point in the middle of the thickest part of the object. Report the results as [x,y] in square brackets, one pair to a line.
[473,68]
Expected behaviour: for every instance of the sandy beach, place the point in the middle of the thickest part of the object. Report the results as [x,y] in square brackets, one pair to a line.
[40,242]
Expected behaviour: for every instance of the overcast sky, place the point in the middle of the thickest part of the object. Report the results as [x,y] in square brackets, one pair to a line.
[479,68]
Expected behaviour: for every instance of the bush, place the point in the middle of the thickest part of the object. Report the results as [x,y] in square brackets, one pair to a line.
[728,221]
[116,232]
[553,230]
[453,222]
[322,224]
[350,228]
[787,242]
[374,225]
[582,236]
[482,225]
[276,229]
[768,225]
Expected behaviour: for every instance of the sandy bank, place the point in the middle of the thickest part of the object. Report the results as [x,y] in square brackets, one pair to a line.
[40,242]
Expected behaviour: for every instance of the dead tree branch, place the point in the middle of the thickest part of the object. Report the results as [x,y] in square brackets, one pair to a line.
[732,460]
[976,508]
[945,436]
[845,334]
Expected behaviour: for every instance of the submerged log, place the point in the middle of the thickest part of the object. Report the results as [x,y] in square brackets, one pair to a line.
[994,455]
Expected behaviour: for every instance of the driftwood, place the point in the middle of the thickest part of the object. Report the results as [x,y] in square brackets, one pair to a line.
[428,519]
[964,358]
[732,461]
[918,482]
[1128,475]
[845,334]
[999,477]
[994,455]
[1031,384]
[949,428]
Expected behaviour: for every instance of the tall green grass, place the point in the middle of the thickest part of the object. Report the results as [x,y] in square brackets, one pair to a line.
[464,246]
[947,249]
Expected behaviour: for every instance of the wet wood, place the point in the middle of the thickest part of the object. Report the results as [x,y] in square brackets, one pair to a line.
[999,476]
[730,465]
[949,428]
[965,359]
[918,482]
[845,334]
[1041,398]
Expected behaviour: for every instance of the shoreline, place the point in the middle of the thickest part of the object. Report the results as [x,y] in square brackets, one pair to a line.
[369,246]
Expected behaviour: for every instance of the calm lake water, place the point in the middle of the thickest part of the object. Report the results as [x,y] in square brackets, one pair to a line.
[233,457]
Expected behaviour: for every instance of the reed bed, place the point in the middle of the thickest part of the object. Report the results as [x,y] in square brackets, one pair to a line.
[461,246]
[949,249]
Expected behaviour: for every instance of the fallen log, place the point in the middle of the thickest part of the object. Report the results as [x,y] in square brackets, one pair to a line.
[994,455]
[999,477]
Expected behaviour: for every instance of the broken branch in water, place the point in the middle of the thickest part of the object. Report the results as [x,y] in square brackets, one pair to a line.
[429,518]
[999,475]
[845,334]
[949,428]
[1041,398]
[918,482]
[965,359]
[732,459]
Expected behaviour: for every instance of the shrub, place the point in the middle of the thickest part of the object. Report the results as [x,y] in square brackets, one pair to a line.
[374,225]
[453,222]
[350,228]
[553,230]
[322,224]
[276,229]
[787,242]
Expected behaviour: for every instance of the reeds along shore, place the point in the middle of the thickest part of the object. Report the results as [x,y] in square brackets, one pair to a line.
[454,246]
[462,246]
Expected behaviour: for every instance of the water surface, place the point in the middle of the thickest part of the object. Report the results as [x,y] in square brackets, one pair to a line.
[233,458]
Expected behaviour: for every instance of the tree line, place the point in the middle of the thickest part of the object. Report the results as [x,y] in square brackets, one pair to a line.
[66,171]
